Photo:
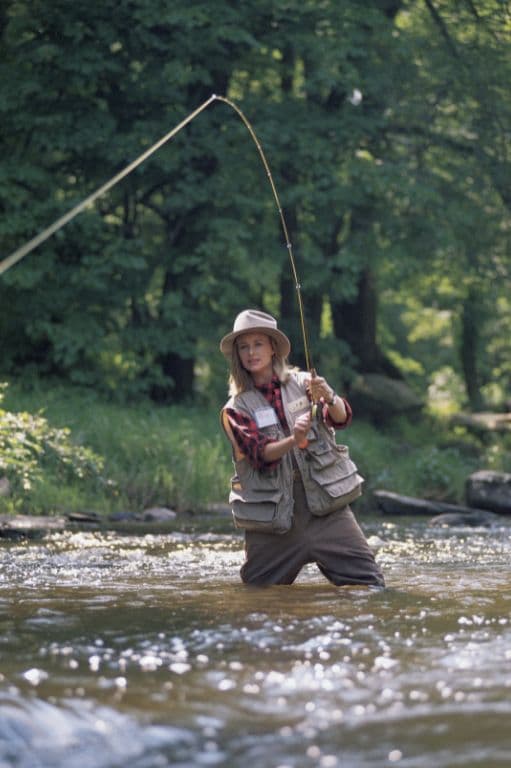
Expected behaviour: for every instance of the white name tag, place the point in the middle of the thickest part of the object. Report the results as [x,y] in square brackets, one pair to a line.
[265,417]
[302,404]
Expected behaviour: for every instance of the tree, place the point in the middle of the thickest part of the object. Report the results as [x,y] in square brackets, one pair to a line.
[385,127]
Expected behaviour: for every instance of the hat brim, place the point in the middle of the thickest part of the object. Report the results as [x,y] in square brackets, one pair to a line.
[282,342]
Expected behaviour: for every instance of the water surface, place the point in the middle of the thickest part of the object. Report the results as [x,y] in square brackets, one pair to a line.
[147,651]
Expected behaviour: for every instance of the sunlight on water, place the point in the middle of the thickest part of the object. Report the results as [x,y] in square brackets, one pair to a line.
[147,651]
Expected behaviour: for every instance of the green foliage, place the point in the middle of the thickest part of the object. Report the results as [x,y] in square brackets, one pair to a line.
[423,459]
[33,453]
[178,457]
[159,456]
[152,456]
[385,125]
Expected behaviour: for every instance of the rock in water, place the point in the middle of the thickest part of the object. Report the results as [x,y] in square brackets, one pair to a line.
[158,515]
[475,519]
[489,490]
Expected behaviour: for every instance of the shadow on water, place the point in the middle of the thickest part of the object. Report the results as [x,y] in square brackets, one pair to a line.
[148,651]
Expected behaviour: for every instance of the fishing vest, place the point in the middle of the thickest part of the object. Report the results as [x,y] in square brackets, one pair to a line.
[263,500]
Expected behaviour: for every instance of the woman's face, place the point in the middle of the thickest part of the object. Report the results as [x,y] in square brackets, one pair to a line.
[256,354]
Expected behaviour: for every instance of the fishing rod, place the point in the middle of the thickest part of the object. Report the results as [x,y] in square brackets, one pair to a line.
[45,234]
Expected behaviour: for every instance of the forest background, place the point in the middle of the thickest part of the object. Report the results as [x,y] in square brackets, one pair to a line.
[386,124]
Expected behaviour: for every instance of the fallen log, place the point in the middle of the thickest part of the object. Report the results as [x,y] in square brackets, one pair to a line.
[394,504]
[484,421]
[31,526]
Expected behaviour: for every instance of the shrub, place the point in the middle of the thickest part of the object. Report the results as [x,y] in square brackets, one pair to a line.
[31,449]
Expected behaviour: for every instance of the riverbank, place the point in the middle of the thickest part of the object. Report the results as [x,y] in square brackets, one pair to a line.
[93,457]
[18,526]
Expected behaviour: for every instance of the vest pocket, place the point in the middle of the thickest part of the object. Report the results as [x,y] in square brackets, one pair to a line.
[258,503]
[337,476]
[262,516]
[340,494]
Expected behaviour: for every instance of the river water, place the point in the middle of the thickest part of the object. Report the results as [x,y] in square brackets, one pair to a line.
[146,651]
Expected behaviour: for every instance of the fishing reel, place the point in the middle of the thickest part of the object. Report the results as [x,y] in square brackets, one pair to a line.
[317,413]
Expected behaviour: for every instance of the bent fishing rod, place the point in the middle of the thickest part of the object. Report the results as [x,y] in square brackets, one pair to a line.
[45,234]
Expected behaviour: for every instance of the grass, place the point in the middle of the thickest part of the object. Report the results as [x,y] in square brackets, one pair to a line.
[174,457]
[178,457]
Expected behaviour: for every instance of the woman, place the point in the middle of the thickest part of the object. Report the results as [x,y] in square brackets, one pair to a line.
[293,484]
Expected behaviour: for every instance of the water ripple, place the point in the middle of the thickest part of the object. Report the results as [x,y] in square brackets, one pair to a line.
[147,651]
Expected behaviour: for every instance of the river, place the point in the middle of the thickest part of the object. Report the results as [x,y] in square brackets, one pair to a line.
[146,651]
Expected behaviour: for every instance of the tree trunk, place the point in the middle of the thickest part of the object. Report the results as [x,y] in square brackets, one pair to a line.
[355,322]
[469,348]
[179,372]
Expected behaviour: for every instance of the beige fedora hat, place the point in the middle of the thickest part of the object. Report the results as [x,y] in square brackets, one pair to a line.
[251,321]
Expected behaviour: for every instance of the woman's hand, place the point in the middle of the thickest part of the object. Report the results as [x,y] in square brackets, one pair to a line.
[318,388]
[301,428]
[275,450]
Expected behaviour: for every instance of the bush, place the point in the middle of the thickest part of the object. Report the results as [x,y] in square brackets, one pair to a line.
[416,459]
[32,451]
[173,456]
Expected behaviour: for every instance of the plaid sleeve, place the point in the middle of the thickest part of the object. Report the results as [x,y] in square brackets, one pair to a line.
[342,424]
[250,440]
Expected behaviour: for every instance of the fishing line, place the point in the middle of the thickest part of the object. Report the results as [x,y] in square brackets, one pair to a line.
[17,255]
[45,234]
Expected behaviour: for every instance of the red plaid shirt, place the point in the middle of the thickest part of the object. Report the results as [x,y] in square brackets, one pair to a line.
[249,438]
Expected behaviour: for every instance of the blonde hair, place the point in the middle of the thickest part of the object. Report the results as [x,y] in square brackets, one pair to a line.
[240,380]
